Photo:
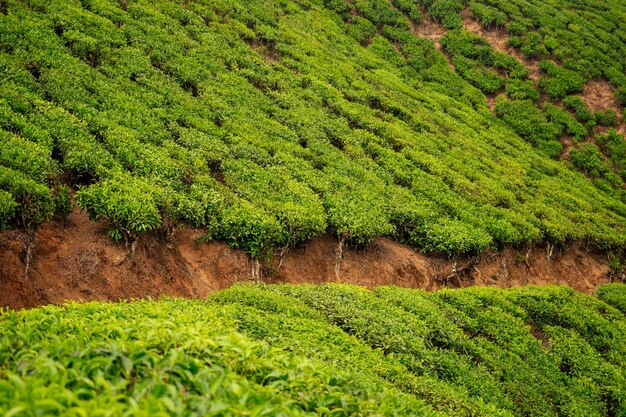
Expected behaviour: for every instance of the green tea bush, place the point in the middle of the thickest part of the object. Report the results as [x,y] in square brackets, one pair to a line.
[517,29]
[516,40]
[613,294]
[356,216]
[125,202]
[246,226]
[361,29]
[322,350]
[27,157]
[527,120]
[583,114]
[509,65]
[8,207]
[550,148]
[481,78]
[521,90]
[588,159]
[35,201]
[411,8]
[380,13]
[479,336]
[482,66]
[459,42]
[532,46]
[293,204]
[82,155]
[560,82]
[420,54]
[384,49]
[476,61]
[606,118]
[446,12]
[267,123]
[614,146]
[486,15]
[222,370]
[261,313]
[565,122]
[450,236]
[409,215]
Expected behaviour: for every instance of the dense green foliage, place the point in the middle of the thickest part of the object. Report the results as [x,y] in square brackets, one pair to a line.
[322,350]
[271,122]
[614,145]
[588,38]
[573,42]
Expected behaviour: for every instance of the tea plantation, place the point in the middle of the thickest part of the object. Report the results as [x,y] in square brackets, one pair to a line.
[322,350]
[267,123]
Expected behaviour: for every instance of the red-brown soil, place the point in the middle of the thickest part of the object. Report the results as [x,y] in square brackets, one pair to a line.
[429,29]
[598,95]
[491,101]
[568,145]
[79,262]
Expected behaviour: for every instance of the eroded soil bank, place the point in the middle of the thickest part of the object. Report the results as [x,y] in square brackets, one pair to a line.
[79,262]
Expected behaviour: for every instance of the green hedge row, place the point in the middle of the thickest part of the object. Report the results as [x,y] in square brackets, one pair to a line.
[332,350]
[269,123]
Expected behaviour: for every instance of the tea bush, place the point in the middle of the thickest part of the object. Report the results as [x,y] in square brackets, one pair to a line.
[560,81]
[613,294]
[527,120]
[471,54]
[35,200]
[445,12]
[614,146]
[8,207]
[322,350]
[587,40]
[270,123]
[125,203]
[583,114]
[487,15]
[588,158]
[521,90]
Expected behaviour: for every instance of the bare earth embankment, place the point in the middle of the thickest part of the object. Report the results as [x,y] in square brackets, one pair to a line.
[79,262]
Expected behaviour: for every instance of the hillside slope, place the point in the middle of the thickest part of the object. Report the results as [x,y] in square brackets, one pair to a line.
[268,123]
[322,350]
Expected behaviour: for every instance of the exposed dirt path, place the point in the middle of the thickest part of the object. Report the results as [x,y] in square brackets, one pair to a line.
[79,262]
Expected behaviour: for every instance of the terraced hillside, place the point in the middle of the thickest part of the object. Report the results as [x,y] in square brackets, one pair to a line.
[267,123]
[327,350]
